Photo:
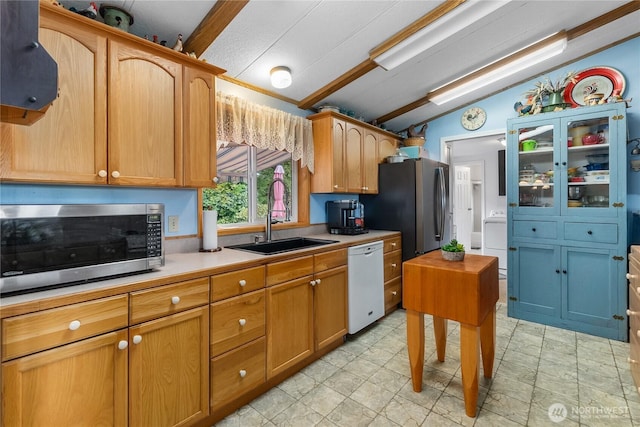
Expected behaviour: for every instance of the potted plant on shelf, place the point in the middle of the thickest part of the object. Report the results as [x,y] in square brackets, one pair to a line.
[552,90]
[453,251]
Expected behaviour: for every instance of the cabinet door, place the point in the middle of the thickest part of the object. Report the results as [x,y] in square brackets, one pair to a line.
[199,128]
[339,180]
[330,306]
[386,147]
[69,144]
[601,169]
[535,167]
[591,287]
[353,152]
[84,383]
[534,281]
[145,118]
[169,370]
[370,163]
[289,324]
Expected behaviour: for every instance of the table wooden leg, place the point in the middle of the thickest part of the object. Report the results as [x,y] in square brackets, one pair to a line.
[415,345]
[469,355]
[440,332]
[488,342]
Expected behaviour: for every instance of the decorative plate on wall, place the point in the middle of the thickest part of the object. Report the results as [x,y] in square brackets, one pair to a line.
[594,80]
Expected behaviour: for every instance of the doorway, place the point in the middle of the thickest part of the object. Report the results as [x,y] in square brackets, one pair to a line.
[474,194]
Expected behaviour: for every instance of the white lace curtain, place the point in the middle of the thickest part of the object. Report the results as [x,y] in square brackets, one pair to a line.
[241,121]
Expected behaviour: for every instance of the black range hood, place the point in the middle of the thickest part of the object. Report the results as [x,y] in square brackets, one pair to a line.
[28,74]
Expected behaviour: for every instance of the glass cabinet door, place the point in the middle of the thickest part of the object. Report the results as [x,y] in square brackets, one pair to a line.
[591,158]
[536,148]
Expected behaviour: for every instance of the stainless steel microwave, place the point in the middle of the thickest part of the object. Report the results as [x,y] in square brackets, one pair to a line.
[58,245]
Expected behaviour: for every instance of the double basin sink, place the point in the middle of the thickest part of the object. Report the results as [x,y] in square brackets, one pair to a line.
[281,245]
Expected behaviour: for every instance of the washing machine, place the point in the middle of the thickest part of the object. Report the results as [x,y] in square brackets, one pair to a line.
[494,236]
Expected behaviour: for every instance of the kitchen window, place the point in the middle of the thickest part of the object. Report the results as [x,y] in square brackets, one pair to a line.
[245,174]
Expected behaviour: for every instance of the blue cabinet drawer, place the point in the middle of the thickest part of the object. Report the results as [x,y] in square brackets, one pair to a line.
[535,229]
[590,232]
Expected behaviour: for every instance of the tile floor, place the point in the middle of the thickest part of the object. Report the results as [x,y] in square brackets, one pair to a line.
[367,382]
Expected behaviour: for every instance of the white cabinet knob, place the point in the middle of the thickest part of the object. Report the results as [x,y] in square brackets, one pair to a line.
[242,322]
[638,289]
[102,173]
[318,281]
[638,333]
[175,300]
[115,174]
[123,344]
[394,265]
[242,373]
[335,186]
[630,313]
[216,179]
[312,283]
[631,276]
[242,282]
[74,325]
[137,339]
[393,244]
[394,293]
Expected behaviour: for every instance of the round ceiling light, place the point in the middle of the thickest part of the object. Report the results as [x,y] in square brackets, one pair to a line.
[280,77]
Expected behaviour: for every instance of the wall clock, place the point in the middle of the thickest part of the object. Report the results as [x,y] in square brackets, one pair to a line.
[473,118]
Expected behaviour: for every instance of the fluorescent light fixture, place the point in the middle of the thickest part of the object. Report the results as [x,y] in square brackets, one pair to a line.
[441,29]
[280,77]
[504,67]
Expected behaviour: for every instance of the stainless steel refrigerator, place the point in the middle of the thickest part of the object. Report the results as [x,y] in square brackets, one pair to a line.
[413,197]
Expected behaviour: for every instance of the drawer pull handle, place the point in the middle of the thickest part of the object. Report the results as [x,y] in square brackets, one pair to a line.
[589,232]
[631,313]
[335,186]
[533,229]
[242,282]
[102,173]
[394,265]
[137,339]
[242,373]
[123,344]
[242,322]
[318,281]
[312,283]
[74,325]
[394,293]
[631,276]
[393,244]
[115,174]
[638,289]
[638,333]
[175,300]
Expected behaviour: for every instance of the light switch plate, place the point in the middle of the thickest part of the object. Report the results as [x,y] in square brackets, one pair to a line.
[173,223]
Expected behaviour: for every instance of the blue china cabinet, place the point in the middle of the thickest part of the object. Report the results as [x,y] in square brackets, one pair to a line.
[567,219]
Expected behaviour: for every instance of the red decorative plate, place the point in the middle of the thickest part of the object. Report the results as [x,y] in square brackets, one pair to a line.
[594,80]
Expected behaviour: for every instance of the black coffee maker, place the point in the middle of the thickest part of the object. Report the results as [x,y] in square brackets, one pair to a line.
[345,217]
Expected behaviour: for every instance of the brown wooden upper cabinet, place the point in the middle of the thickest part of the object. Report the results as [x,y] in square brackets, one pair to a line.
[347,153]
[126,113]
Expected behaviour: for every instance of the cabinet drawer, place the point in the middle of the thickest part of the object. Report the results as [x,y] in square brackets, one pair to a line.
[634,311]
[236,283]
[164,300]
[590,232]
[392,293]
[237,372]
[283,271]
[330,259]
[34,332]
[392,244]
[237,321]
[634,356]
[392,265]
[535,229]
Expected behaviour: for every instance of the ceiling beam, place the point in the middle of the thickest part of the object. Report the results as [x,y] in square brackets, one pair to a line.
[220,15]
[573,33]
[369,65]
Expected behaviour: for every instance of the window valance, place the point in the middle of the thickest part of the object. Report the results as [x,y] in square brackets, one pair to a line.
[241,121]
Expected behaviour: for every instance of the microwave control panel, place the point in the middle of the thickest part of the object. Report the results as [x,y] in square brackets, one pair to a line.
[154,235]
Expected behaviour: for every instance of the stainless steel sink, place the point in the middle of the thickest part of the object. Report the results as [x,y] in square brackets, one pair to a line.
[282,245]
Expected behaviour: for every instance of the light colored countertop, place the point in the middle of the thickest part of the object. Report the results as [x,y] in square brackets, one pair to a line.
[178,267]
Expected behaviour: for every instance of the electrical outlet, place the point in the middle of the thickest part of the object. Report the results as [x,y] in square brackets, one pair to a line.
[173,223]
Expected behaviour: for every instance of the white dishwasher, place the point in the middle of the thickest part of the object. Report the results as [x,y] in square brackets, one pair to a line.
[366,286]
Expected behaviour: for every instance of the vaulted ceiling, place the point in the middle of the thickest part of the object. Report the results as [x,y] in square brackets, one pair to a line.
[331,45]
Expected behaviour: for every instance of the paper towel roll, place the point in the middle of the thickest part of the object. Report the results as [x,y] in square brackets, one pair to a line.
[209,230]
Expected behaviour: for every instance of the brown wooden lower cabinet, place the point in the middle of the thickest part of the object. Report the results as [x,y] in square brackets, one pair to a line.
[237,372]
[634,314]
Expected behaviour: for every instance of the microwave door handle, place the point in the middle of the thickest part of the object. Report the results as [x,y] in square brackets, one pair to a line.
[441,203]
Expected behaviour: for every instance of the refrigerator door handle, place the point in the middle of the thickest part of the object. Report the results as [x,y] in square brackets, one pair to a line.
[441,202]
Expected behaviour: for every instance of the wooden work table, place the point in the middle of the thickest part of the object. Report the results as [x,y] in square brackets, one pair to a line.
[463,291]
